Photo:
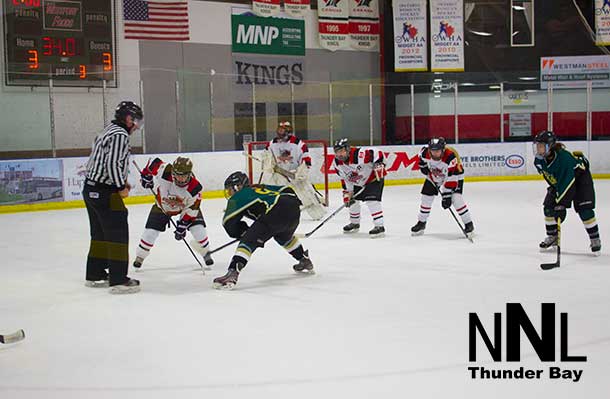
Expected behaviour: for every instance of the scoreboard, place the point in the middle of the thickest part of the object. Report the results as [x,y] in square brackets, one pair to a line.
[69,41]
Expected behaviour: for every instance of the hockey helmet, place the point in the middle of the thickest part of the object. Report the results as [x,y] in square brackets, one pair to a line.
[235,182]
[182,171]
[339,146]
[543,143]
[129,108]
[436,144]
[284,130]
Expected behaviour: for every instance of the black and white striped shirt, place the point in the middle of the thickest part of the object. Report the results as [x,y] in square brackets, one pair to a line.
[109,159]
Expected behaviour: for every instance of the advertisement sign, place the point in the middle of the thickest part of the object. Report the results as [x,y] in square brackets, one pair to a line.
[520,124]
[29,181]
[410,35]
[574,72]
[447,33]
[267,35]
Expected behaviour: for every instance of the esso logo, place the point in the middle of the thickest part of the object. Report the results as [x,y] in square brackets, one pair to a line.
[514,161]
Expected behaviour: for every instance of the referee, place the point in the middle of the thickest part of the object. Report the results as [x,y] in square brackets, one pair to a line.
[105,187]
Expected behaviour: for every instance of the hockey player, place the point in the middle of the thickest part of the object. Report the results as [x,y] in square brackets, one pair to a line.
[445,175]
[362,172]
[287,161]
[177,192]
[276,214]
[569,177]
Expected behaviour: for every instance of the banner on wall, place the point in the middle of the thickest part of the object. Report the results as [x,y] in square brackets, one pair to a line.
[266,8]
[410,35]
[296,8]
[602,22]
[447,32]
[333,24]
[364,24]
[258,35]
[31,181]
[574,72]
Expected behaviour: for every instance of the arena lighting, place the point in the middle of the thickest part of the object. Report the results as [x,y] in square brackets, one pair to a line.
[438,80]
[516,32]
[527,78]
[494,87]
[479,33]
[519,8]
[467,84]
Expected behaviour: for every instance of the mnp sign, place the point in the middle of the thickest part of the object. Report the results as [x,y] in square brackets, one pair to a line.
[267,35]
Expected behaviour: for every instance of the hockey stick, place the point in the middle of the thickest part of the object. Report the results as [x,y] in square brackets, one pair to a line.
[173,223]
[549,266]
[438,190]
[322,223]
[224,246]
[12,338]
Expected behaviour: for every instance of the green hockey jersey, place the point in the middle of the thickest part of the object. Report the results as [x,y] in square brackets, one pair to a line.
[561,171]
[254,201]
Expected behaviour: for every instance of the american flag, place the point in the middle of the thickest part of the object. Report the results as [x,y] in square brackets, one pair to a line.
[156,20]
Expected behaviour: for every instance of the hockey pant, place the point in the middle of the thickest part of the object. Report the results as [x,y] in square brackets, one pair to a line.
[584,205]
[429,191]
[279,223]
[371,196]
[157,222]
[109,247]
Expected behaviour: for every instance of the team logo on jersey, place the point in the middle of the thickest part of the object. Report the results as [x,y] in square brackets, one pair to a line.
[173,201]
[285,156]
[354,177]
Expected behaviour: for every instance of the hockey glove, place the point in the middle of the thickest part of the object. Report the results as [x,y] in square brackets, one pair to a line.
[146,179]
[181,228]
[347,198]
[379,169]
[446,202]
[560,212]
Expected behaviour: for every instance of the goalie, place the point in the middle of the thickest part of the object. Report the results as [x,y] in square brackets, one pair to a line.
[286,161]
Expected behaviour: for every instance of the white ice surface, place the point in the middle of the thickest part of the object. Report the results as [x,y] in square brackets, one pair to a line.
[381,318]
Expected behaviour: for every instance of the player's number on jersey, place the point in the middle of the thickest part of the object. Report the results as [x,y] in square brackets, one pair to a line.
[264,191]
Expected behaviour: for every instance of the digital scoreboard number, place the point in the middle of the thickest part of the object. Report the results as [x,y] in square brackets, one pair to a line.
[69,41]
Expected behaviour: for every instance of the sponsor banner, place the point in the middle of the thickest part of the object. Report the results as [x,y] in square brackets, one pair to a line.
[447,33]
[574,72]
[333,24]
[296,8]
[266,8]
[602,22]
[520,124]
[267,35]
[410,35]
[364,24]
[31,181]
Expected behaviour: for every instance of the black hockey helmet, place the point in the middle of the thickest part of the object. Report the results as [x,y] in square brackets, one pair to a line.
[235,182]
[342,144]
[437,143]
[182,171]
[547,138]
[128,108]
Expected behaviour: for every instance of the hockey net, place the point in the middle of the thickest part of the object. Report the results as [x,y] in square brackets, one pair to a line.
[318,174]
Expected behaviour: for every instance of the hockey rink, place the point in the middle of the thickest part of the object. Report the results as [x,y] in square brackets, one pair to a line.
[383,318]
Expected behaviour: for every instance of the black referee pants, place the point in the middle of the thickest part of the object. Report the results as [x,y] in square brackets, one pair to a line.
[109,247]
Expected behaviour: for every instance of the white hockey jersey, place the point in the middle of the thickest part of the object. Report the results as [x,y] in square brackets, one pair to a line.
[174,200]
[290,154]
[357,170]
[445,172]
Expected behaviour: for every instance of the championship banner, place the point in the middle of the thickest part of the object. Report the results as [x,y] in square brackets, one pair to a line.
[333,24]
[296,8]
[447,31]
[410,35]
[602,22]
[364,24]
[266,8]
